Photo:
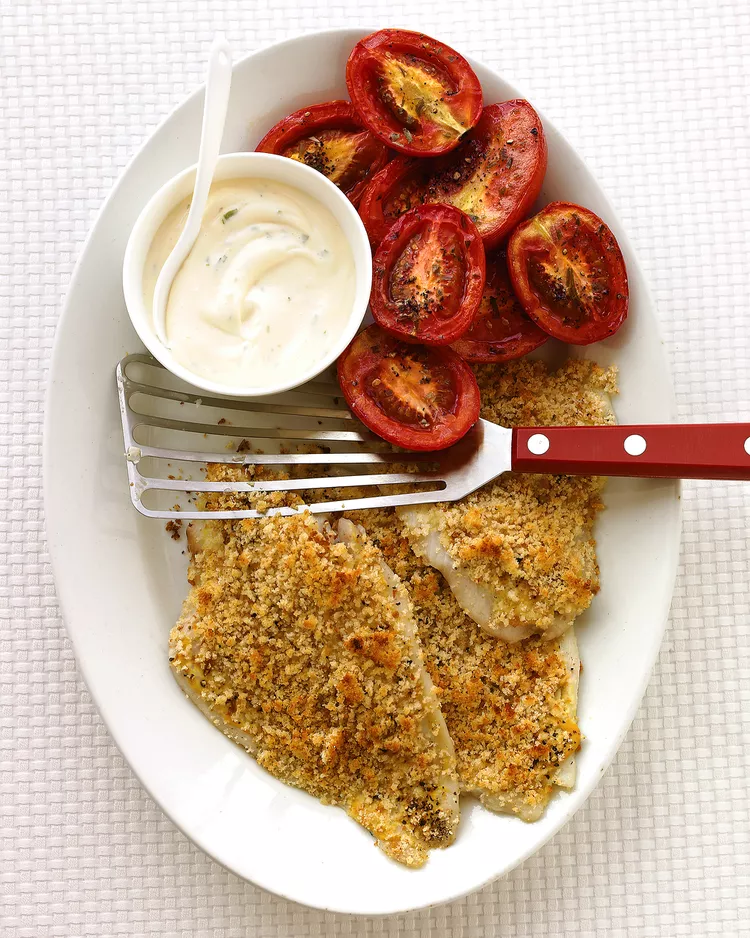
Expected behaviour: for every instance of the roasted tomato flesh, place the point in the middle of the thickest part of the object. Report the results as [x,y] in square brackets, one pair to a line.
[407,390]
[418,95]
[569,273]
[345,157]
[501,330]
[409,194]
[493,177]
[428,276]
[497,172]
[397,188]
[412,396]
[416,92]
[332,139]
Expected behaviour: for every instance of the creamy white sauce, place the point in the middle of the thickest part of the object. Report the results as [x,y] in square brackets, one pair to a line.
[267,289]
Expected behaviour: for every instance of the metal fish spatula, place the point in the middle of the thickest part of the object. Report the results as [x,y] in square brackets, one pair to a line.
[169,430]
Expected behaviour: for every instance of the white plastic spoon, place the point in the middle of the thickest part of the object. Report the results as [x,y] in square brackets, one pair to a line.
[218,82]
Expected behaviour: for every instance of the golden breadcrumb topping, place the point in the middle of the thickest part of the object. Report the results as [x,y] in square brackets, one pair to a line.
[507,706]
[299,648]
[527,539]
[295,647]
[527,393]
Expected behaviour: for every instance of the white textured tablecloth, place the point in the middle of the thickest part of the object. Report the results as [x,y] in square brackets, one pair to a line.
[654,95]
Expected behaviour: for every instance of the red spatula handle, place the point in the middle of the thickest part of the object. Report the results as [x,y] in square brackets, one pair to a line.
[679,451]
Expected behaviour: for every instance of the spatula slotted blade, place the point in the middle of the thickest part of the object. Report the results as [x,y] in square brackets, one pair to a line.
[176,431]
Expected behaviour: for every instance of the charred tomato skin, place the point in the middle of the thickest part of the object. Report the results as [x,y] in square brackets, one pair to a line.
[428,276]
[568,271]
[497,172]
[396,189]
[501,330]
[416,94]
[311,136]
[412,396]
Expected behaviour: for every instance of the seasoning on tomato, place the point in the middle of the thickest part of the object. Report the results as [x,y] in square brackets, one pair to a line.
[501,330]
[428,276]
[332,139]
[398,187]
[569,274]
[413,396]
[416,94]
[497,172]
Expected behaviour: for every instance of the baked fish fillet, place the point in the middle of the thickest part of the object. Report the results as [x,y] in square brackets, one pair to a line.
[519,554]
[299,643]
[510,708]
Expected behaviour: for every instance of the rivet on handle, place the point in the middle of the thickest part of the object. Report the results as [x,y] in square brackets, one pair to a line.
[635,445]
[538,444]
[747,446]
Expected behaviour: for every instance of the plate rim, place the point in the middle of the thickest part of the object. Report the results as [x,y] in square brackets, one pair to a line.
[661,615]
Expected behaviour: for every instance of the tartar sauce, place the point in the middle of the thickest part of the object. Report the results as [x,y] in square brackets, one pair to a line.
[265,292]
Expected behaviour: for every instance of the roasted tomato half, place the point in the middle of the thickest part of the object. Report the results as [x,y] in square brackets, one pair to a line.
[416,94]
[569,274]
[501,330]
[398,187]
[332,139]
[412,396]
[497,172]
[428,276]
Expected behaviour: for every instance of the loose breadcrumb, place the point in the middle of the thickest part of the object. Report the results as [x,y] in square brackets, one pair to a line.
[527,393]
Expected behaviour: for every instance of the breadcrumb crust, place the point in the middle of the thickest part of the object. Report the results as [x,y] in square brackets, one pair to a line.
[528,539]
[510,709]
[298,644]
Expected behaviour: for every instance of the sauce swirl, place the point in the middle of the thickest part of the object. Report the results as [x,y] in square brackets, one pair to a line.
[265,292]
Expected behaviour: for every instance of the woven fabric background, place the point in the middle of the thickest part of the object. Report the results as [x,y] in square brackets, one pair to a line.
[654,94]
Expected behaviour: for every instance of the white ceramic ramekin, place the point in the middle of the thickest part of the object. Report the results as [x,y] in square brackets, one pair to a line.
[236,166]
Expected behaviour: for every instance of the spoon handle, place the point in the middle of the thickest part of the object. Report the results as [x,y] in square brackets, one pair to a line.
[218,83]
